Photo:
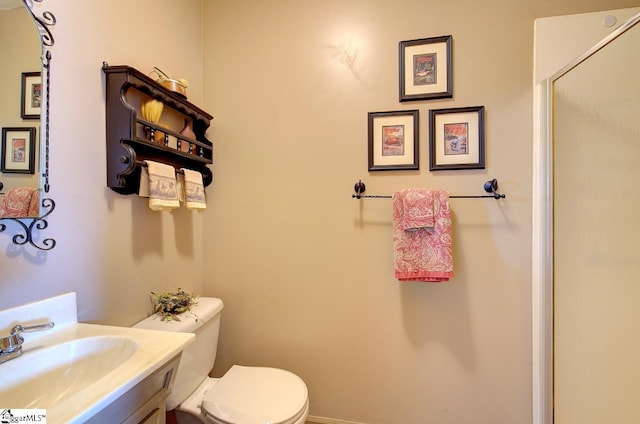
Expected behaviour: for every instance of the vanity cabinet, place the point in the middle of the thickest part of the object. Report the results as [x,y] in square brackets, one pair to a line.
[157,416]
[177,139]
[145,402]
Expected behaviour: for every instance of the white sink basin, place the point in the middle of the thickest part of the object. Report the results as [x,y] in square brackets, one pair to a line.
[58,372]
[76,372]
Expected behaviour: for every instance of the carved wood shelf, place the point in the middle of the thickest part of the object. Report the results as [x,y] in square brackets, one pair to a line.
[130,138]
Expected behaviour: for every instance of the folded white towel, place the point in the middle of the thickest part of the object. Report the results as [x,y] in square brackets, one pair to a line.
[143,189]
[158,181]
[193,190]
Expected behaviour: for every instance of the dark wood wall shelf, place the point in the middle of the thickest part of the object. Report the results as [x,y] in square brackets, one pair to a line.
[130,138]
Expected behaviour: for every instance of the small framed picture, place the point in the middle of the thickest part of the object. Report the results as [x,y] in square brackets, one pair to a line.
[31,96]
[18,150]
[393,140]
[426,69]
[456,138]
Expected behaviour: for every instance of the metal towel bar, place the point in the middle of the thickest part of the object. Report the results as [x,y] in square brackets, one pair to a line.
[490,186]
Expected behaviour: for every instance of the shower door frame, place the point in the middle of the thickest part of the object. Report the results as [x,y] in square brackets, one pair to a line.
[542,234]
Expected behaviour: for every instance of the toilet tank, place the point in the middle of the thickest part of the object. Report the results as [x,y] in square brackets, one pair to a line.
[203,319]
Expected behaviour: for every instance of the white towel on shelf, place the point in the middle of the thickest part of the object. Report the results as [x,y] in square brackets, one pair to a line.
[158,182]
[192,193]
[143,188]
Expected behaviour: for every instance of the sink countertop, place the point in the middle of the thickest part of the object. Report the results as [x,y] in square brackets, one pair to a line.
[155,348]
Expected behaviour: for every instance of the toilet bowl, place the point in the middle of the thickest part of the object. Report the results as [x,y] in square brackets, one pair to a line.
[243,395]
[249,395]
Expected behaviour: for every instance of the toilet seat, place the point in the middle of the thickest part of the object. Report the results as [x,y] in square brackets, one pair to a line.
[256,395]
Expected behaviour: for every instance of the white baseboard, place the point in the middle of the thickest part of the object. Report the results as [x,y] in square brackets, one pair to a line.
[323,420]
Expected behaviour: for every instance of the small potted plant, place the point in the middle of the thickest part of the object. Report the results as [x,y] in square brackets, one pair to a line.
[171,304]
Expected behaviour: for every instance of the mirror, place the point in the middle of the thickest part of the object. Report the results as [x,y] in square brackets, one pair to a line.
[24,119]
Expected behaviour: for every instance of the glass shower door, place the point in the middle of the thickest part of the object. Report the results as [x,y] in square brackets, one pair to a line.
[596,236]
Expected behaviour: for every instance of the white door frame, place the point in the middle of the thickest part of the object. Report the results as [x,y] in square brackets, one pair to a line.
[542,235]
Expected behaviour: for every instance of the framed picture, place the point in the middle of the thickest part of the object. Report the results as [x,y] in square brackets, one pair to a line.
[31,96]
[18,150]
[393,140]
[456,138]
[426,69]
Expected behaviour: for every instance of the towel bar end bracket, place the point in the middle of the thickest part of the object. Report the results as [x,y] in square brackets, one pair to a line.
[359,188]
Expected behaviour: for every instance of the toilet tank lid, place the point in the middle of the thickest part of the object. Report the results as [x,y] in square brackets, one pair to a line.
[202,311]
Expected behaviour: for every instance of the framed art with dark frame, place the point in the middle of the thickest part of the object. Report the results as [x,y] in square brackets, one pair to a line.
[31,96]
[18,150]
[393,140]
[426,69]
[456,138]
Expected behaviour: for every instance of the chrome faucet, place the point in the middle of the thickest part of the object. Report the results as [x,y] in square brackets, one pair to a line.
[11,345]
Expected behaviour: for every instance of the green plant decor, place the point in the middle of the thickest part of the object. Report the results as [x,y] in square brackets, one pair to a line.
[171,304]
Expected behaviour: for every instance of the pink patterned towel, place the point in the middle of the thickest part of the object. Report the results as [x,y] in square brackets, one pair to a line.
[417,208]
[19,203]
[423,254]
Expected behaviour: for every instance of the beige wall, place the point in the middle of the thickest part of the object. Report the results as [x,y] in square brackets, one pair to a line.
[111,249]
[306,272]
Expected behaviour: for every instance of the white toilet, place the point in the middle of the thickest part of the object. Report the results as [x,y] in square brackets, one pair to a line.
[244,395]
